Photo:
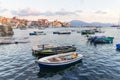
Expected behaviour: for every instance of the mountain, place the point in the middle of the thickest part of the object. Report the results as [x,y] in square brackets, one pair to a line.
[78,23]
[82,23]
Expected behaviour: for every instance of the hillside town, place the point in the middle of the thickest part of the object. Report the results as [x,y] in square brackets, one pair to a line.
[6,24]
[19,23]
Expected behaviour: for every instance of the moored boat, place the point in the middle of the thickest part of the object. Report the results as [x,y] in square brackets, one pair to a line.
[46,50]
[118,46]
[62,32]
[37,33]
[100,39]
[55,32]
[59,60]
[97,30]
[32,34]
[84,32]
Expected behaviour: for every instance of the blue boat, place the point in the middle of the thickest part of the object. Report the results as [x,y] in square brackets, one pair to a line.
[32,33]
[55,32]
[59,60]
[118,46]
[37,33]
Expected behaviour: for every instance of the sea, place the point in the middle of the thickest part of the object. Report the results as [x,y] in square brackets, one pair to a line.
[100,62]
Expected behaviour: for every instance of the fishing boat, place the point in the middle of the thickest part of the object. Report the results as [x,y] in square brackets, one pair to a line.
[84,32]
[59,60]
[32,33]
[36,50]
[46,50]
[118,46]
[55,32]
[37,33]
[100,39]
[97,30]
[62,32]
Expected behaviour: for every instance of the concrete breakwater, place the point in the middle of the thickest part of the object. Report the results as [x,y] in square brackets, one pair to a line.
[12,40]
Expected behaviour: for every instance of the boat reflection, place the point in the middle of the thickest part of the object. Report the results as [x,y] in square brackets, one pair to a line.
[47,72]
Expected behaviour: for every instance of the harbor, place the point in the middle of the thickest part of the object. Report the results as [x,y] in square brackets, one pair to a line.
[60,40]
[100,61]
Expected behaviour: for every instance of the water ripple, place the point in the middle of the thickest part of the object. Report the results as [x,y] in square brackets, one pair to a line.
[100,62]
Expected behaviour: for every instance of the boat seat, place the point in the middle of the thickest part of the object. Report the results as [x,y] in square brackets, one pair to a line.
[62,58]
[56,59]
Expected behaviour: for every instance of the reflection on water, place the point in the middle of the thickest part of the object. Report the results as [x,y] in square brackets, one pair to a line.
[100,62]
[46,72]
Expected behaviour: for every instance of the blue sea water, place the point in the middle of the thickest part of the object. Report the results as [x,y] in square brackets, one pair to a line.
[100,62]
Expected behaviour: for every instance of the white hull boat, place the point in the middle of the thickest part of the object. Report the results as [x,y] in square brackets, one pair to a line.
[59,60]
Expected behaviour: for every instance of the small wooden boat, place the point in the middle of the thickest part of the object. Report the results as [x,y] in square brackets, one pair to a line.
[100,39]
[59,60]
[97,30]
[46,50]
[118,46]
[32,33]
[84,32]
[62,32]
[55,32]
[37,33]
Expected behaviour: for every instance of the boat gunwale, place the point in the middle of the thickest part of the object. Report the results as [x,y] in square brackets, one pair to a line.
[45,61]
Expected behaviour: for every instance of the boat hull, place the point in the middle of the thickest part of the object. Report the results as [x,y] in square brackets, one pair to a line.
[51,66]
[64,33]
[118,46]
[101,39]
[61,33]
[53,51]
[55,32]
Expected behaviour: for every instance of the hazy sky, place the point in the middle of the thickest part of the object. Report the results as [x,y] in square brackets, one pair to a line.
[107,11]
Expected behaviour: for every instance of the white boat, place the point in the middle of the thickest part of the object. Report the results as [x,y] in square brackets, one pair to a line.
[59,60]
[38,33]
